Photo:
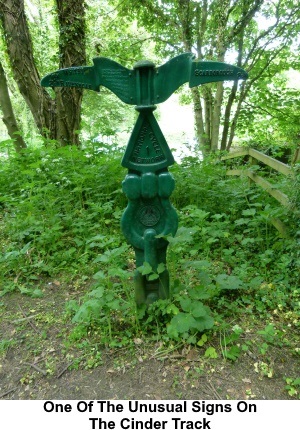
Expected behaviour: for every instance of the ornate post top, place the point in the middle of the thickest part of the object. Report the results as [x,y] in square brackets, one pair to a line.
[144,64]
[145,85]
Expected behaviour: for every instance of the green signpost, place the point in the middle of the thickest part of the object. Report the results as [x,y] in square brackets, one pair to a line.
[149,216]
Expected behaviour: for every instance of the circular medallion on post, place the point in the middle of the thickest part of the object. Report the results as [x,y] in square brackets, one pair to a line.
[149,215]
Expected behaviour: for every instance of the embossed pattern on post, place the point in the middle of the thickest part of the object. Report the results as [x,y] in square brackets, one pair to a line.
[147,149]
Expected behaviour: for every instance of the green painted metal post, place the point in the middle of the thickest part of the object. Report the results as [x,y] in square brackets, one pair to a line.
[148,187]
[149,216]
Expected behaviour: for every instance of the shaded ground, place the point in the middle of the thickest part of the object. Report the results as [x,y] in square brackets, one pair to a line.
[39,362]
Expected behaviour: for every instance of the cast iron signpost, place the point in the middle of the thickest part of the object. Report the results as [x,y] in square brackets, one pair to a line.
[149,216]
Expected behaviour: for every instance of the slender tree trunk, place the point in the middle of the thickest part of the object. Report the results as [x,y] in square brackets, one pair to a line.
[58,118]
[235,119]
[19,48]
[207,97]
[222,8]
[227,116]
[9,118]
[232,97]
[216,117]
[201,136]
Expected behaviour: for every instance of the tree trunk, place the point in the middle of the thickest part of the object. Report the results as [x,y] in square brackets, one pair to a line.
[207,98]
[201,136]
[19,48]
[57,119]
[230,101]
[216,117]
[9,118]
[235,120]
[71,18]
[296,156]
[232,96]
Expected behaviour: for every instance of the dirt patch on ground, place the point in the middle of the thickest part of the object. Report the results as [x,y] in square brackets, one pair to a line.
[39,363]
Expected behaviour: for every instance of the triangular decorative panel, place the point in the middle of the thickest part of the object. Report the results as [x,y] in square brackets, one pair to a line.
[147,149]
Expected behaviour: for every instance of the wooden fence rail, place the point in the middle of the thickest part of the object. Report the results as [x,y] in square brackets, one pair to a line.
[262,182]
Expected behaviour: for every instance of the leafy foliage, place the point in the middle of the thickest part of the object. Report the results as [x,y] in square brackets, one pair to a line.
[53,213]
[256,35]
[61,210]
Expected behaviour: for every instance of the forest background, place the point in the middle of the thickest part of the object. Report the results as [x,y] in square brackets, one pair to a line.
[234,277]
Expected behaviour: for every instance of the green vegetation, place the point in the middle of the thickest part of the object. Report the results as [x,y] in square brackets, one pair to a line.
[235,281]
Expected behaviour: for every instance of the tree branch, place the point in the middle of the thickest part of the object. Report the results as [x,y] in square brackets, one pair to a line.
[244,21]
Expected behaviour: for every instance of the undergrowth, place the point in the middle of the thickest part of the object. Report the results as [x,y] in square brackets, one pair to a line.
[230,269]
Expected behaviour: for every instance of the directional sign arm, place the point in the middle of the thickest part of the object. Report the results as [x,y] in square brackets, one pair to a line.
[202,72]
[106,72]
[183,68]
[73,77]
[118,79]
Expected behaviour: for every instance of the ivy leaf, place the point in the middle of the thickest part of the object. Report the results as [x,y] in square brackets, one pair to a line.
[233,353]
[183,322]
[145,269]
[226,282]
[211,353]
[97,293]
[204,323]
[186,304]
[161,268]
[153,276]
[199,310]
[203,340]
